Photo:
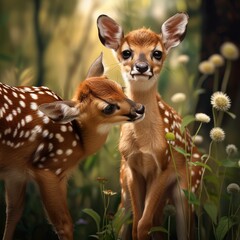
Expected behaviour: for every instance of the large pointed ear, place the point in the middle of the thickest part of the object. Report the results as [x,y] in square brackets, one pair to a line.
[174,29]
[109,32]
[97,68]
[60,111]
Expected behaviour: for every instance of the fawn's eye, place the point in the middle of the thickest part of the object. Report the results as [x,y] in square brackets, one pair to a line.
[109,109]
[126,54]
[157,55]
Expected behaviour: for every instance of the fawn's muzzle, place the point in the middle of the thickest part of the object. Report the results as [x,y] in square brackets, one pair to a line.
[137,112]
[141,68]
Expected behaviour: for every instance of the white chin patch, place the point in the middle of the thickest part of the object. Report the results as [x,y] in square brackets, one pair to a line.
[141,78]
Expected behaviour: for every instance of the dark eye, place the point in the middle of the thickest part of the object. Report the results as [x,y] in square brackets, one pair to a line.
[109,109]
[157,55]
[126,54]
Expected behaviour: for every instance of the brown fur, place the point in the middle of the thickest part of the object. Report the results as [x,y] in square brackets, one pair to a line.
[148,169]
[33,147]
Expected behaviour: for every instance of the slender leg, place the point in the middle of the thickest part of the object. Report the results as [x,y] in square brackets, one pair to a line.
[53,192]
[156,191]
[137,192]
[158,220]
[15,193]
[126,230]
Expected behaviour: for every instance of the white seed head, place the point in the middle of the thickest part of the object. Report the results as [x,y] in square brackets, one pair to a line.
[233,188]
[220,101]
[217,134]
[231,150]
[202,117]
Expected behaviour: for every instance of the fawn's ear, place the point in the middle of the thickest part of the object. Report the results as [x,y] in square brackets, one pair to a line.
[174,30]
[60,111]
[97,68]
[109,32]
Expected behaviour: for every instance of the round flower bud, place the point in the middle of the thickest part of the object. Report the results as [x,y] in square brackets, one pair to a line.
[206,67]
[220,101]
[231,150]
[202,117]
[217,134]
[233,188]
[229,51]
[217,60]
[198,139]
[169,210]
[183,58]
[178,97]
[170,136]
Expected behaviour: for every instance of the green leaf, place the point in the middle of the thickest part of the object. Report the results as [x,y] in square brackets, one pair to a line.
[121,217]
[6,58]
[229,163]
[185,121]
[224,225]
[94,236]
[200,164]
[158,229]
[182,151]
[211,210]
[90,163]
[192,198]
[232,115]
[211,179]
[94,215]
[199,91]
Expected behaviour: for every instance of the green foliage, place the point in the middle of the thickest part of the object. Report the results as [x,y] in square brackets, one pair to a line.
[108,227]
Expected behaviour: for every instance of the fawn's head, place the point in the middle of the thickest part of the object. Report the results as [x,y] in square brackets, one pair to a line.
[98,101]
[142,52]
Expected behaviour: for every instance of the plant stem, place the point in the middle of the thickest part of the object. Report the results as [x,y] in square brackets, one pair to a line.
[169,226]
[178,182]
[216,80]
[226,76]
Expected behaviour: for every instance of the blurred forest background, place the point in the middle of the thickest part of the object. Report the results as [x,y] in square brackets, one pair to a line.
[53,43]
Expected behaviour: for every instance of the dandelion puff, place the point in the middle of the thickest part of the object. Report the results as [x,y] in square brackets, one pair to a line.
[229,50]
[202,117]
[206,67]
[231,150]
[217,134]
[220,101]
[233,188]
[217,60]
[239,163]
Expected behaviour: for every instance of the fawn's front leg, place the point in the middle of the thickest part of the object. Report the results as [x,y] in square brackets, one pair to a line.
[15,189]
[136,185]
[53,192]
[155,195]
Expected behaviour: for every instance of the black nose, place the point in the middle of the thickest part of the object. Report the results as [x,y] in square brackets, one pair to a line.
[141,67]
[140,109]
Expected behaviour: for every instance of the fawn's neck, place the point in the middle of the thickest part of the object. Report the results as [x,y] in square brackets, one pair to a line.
[149,99]
[92,138]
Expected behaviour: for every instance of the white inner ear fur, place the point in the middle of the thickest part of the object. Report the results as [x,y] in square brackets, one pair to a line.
[114,38]
[168,35]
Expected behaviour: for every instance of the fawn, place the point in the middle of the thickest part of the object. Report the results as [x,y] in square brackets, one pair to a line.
[34,147]
[148,173]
